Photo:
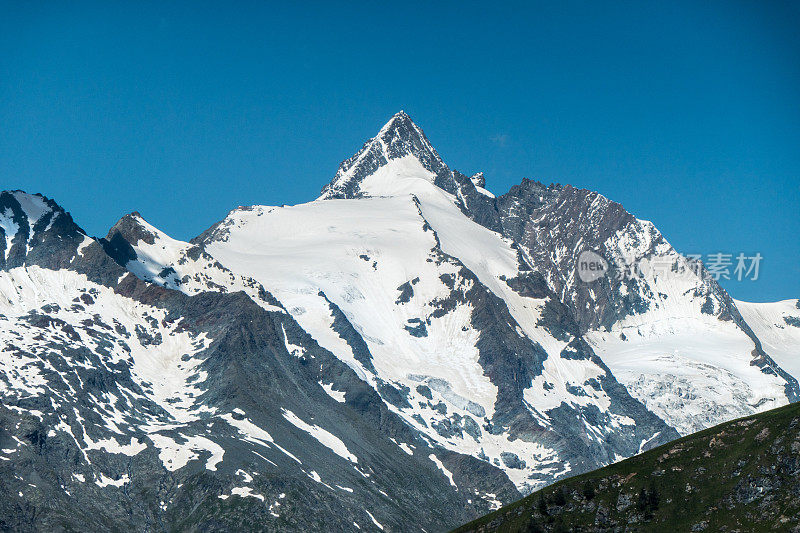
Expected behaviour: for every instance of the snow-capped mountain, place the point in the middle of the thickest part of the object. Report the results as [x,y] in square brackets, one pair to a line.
[403,353]
[667,331]
[127,405]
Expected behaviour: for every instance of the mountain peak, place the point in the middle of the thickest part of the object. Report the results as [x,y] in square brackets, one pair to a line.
[399,138]
[35,230]
[134,228]
[33,206]
[399,120]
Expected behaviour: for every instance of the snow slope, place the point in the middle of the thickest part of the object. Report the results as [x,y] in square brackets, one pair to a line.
[358,254]
[694,374]
[174,264]
[670,334]
[686,364]
[777,326]
[159,357]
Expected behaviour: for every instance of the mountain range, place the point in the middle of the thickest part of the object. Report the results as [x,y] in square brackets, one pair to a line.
[404,353]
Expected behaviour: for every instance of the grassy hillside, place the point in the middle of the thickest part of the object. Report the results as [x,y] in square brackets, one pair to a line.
[743,476]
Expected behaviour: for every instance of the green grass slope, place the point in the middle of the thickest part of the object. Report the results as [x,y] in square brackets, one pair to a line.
[741,476]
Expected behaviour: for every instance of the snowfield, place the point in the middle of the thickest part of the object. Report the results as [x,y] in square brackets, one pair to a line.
[777,326]
[358,253]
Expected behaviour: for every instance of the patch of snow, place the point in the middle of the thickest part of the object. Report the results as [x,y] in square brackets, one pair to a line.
[246,492]
[9,227]
[406,448]
[250,432]
[107,481]
[335,394]
[484,192]
[33,206]
[112,446]
[175,456]
[324,437]
[378,524]
[445,471]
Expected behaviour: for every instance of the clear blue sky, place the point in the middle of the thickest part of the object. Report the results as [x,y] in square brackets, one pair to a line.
[688,113]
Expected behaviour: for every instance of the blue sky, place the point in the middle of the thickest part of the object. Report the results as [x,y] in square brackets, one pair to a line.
[688,113]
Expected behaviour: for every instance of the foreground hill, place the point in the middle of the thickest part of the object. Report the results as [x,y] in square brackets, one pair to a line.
[738,476]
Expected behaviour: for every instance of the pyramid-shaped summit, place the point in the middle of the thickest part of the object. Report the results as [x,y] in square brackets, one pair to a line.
[399,138]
